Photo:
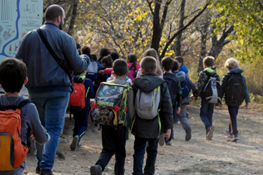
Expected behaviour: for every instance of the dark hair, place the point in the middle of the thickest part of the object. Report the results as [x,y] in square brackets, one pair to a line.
[176,66]
[180,59]
[78,46]
[149,64]
[132,58]
[107,60]
[93,57]
[152,52]
[209,61]
[167,63]
[104,52]
[114,56]
[120,67]
[85,50]
[53,11]
[13,73]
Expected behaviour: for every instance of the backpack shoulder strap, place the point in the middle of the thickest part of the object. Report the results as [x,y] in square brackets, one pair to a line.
[19,106]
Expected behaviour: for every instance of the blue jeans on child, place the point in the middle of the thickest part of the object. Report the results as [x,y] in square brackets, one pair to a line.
[139,151]
[81,121]
[113,142]
[51,107]
[174,114]
[233,110]
[206,113]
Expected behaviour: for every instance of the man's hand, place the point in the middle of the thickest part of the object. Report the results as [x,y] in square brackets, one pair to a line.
[167,134]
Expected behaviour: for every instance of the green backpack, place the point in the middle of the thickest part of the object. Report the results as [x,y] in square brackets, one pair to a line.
[110,105]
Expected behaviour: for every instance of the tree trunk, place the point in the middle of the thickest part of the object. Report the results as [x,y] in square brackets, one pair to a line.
[157,30]
[73,17]
[203,50]
[179,36]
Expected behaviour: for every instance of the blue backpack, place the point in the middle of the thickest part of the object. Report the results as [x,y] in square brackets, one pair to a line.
[172,85]
[184,85]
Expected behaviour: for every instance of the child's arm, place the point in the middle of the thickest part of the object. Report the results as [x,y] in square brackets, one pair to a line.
[39,132]
[166,108]
[223,86]
[108,70]
[179,94]
[131,108]
[201,82]
[247,97]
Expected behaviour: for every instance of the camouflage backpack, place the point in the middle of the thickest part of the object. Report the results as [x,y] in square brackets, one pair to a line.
[109,107]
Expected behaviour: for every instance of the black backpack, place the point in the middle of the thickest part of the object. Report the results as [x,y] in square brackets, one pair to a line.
[212,90]
[235,89]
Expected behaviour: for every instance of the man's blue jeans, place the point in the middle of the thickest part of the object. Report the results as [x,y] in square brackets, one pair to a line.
[206,113]
[139,151]
[51,107]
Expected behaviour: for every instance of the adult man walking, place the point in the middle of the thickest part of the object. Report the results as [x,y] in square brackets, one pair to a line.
[49,86]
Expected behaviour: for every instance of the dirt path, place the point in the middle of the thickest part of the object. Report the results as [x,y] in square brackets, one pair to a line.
[198,156]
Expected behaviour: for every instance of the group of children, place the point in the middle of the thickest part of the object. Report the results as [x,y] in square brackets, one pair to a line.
[146,106]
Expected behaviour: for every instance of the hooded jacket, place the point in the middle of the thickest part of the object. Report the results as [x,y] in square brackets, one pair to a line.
[147,82]
[203,78]
[44,73]
[236,71]
[184,69]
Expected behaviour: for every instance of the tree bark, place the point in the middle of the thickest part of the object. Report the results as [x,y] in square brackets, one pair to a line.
[73,17]
[217,45]
[181,25]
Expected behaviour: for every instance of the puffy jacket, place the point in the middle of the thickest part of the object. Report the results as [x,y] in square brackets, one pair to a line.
[236,71]
[44,74]
[147,82]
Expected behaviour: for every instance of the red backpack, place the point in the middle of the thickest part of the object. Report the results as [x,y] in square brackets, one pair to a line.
[13,152]
[77,98]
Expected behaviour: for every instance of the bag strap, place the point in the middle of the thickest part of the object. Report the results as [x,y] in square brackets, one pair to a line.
[13,107]
[54,55]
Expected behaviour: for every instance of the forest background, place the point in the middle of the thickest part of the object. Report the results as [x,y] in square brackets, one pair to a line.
[193,29]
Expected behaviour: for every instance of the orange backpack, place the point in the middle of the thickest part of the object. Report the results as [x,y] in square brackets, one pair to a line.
[77,98]
[13,152]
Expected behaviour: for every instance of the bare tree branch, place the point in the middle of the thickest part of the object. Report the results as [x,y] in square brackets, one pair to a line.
[183,28]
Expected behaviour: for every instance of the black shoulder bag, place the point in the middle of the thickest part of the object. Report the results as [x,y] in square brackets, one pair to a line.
[54,55]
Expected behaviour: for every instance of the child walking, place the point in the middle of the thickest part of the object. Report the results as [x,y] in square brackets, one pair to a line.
[81,117]
[174,87]
[206,108]
[12,78]
[235,90]
[133,66]
[187,84]
[114,136]
[150,89]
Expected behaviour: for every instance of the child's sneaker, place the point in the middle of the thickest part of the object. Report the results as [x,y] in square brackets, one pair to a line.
[74,142]
[235,138]
[95,170]
[161,139]
[188,134]
[210,133]
[230,136]
[168,143]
